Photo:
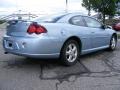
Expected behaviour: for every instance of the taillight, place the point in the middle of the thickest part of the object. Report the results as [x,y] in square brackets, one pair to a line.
[37,29]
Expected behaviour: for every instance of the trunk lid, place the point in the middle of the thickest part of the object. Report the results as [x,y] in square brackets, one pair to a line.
[18,27]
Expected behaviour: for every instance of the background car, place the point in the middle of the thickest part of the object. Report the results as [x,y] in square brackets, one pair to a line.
[64,36]
[116,27]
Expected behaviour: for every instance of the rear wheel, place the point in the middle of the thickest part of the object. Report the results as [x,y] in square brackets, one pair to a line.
[113,43]
[70,52]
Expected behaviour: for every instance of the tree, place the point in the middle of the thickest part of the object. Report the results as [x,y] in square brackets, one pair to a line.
[118,2]
[106,7]
[87,4]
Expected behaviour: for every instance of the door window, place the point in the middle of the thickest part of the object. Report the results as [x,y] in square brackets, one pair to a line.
[92,22]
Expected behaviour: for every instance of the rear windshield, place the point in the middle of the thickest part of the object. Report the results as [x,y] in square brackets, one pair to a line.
[50,18]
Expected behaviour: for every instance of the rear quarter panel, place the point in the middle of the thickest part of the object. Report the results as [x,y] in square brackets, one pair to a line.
[60,32]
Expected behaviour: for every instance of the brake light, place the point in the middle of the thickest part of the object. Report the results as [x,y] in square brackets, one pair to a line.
[37,29]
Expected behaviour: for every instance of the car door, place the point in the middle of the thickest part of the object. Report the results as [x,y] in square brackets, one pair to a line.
[99,35]
[79,27]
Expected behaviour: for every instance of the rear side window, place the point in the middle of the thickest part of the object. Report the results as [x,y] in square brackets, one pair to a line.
[77,20]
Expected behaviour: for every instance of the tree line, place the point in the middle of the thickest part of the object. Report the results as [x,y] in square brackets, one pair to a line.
[105,7]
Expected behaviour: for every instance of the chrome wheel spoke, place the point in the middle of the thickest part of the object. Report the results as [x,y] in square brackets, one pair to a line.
[68,52]
[74,49]
[70,47]
[70,58]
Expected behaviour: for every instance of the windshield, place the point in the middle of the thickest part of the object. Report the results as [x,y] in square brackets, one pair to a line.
[50,18]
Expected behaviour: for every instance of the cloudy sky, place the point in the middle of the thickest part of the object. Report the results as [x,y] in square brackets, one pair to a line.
[39,6]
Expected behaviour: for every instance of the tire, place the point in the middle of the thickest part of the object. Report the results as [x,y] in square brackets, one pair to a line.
[70,53]
[113,43]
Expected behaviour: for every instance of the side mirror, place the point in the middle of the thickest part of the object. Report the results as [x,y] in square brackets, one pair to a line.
[103,27]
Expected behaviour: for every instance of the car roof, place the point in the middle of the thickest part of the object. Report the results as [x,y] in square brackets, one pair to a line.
[78,13]
[65,15]
[75,13]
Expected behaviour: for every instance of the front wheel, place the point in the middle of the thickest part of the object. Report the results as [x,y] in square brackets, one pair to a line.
[70,52]
[113,43]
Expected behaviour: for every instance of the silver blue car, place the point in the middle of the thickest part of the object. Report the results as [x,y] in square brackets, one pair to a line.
[64,36]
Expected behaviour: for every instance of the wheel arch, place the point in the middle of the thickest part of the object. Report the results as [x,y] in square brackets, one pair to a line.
[73,38]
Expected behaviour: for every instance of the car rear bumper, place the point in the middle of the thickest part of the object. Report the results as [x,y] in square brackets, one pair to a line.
[45,56]
[42,47]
